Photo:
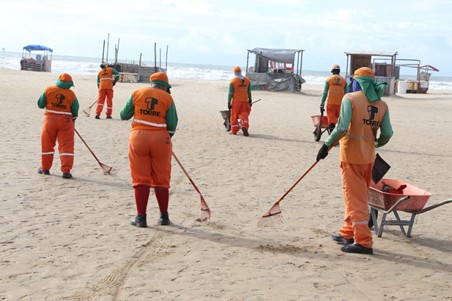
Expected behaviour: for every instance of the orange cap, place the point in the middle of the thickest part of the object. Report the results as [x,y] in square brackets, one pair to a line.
[336,66]
[159,78]
[237,69]
[64,77]
[363,71]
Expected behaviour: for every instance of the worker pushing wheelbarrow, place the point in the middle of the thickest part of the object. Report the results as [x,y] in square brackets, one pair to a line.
[334,90]
[226,115]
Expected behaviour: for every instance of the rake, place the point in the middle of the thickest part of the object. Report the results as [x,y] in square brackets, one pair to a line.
[87,110]
[274,216]
[107,170]
[205,211]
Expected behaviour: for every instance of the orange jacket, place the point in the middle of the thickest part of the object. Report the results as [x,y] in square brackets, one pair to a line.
[336,91]
[240,89]
[150,108]
[59,100]
[358,145]
[106,78]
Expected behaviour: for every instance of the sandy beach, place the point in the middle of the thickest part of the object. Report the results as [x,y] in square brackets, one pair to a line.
[71,239]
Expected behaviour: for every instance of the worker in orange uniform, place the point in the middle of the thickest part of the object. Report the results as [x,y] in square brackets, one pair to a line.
[239,102]
[334,89]
[150,147]
[106,79]
[363,113]
[61,109]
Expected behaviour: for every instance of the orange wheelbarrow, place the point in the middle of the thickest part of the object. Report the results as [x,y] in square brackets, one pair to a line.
[321,125]
[393,196]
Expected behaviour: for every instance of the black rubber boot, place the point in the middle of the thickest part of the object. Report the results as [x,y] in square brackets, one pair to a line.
[67,175]
[341,240]
[139,221]
[43,172]
[356,248]
[164,219]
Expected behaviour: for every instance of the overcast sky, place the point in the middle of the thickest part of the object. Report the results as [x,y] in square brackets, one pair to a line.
[220,32]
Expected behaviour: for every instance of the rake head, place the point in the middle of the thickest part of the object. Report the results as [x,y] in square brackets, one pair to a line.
[204,212]
[107,170]
[272,218]
[87,111]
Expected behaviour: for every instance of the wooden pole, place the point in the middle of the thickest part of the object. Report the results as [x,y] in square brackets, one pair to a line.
[166,58]
[108,46]
[103,51]
[116,53]
[155,57]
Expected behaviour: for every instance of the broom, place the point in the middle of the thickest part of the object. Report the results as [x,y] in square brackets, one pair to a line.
[108,170]
[274,216]
[205,211]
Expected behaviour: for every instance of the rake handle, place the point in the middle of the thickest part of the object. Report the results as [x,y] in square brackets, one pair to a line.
[186,173]
[93,103]
[296,183]
[83,140]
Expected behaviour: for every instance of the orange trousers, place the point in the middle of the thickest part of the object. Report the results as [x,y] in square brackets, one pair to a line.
[105,93]
[57,128]
[150,153]
[333,111]
[240,110]
[355,188]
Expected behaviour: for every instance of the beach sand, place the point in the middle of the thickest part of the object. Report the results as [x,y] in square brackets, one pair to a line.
[71,239]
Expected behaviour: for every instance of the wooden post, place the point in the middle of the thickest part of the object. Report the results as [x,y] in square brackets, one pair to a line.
[108,46]
[166,58]
[103,51]
[116,53]
[155,57]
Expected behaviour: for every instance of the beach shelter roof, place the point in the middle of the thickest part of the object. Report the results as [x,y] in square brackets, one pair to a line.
[286,56]
[37,47]
[428,67]
[372,53]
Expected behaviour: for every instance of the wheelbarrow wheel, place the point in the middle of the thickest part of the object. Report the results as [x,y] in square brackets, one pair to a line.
[227,125]
[317,133]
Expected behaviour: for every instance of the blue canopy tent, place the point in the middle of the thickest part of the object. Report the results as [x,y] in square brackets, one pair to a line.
[42,61]
[37,47]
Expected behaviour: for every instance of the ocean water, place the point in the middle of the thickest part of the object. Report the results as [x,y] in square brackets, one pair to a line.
[90,66]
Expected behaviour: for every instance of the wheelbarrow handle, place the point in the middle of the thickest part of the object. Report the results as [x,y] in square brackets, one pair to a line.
[434,206]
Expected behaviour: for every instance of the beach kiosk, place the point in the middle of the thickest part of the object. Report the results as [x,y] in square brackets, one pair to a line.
[275,69]
[41,62]
[385,72]
[418,85]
